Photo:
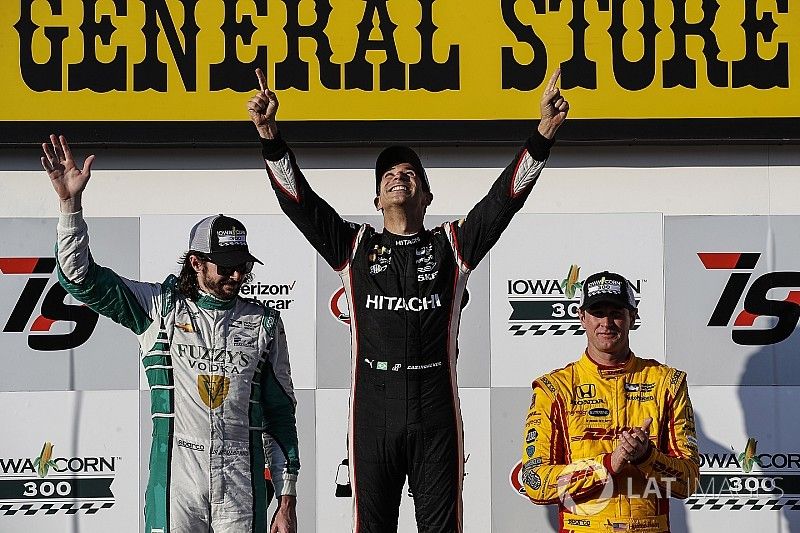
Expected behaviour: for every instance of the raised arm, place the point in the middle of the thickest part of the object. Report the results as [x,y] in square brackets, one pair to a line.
[130,303]
[553,108]
[322,226]
[67,179]
[263,109]
[482,227]
[69,182]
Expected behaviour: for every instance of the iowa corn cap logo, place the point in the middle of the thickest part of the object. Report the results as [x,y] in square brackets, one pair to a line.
[748,457]
[213,389]
[571,284]
[45,460]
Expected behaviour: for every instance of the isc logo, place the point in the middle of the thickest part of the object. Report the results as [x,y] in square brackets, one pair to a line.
[39,272]
[756,302]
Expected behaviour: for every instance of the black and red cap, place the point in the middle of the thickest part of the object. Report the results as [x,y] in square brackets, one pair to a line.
[222,239]
[394,155]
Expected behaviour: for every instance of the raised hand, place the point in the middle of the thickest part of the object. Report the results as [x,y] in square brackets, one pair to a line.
[553,106]
[68,180]
[263,107]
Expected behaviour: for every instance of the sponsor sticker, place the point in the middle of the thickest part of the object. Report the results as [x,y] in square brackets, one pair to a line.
[549,304]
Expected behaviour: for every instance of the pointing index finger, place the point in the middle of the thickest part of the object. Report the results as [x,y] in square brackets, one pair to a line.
[551,85]
[262,80]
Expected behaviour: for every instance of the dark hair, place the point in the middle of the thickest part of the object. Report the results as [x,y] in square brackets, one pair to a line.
[187,279]
[188,285]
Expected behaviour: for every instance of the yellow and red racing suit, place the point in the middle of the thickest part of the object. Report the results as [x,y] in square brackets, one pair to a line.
[575,420]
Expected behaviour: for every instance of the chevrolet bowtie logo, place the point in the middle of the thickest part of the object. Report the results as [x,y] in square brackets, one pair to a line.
[584,391]
[186,328]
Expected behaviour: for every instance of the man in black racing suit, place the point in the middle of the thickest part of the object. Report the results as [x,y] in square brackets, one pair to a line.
[404,288]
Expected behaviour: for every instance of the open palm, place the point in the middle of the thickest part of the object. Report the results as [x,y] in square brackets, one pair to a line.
[68,180]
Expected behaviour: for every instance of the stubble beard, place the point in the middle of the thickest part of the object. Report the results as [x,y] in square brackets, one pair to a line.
[222,288]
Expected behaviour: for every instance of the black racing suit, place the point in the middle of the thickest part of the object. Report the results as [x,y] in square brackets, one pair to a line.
[404,295]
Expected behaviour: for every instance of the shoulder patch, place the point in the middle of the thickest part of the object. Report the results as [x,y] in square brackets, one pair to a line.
[676,377]
[169,288]
[270,320]
[547,384]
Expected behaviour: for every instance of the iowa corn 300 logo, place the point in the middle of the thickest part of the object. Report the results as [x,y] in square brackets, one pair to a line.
[52,484]
[549,306]
[750,480]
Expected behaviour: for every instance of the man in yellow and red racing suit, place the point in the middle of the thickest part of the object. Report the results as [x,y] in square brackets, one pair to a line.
[610,437]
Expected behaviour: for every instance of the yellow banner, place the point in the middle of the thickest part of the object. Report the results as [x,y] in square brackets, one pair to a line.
[179,60]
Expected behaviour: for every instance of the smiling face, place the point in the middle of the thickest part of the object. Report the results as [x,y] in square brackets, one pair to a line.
[401,186]
[607,327]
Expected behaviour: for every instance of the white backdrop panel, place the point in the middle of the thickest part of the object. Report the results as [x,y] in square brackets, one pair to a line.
[534,324]
[91,484]
[733,298]
[286,280]
[50,341]
[736,496]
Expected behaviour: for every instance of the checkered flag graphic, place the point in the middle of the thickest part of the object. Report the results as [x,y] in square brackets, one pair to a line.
[544,329]
[738,504]
[550,329]
[27,509]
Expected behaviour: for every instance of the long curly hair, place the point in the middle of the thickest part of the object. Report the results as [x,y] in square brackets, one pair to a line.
[188,285]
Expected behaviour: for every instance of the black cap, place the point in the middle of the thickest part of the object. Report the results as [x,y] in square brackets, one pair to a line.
[223,239]
[607,287]
[394,155]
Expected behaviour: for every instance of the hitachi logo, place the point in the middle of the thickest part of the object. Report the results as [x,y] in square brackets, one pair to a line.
[395,303]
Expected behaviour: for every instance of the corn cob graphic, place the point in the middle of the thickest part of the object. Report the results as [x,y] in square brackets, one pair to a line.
[748,456]
[571,283]
[44,461]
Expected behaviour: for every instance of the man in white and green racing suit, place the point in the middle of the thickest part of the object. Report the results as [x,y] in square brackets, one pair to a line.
[222,399]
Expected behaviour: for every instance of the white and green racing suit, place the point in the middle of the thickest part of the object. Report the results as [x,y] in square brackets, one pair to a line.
[222,399]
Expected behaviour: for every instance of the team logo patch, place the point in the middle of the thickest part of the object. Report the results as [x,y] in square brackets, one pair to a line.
[531,478]
[232,237]
[532,463]
[213,389]
[586,390]
[639,387]
[380,257]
